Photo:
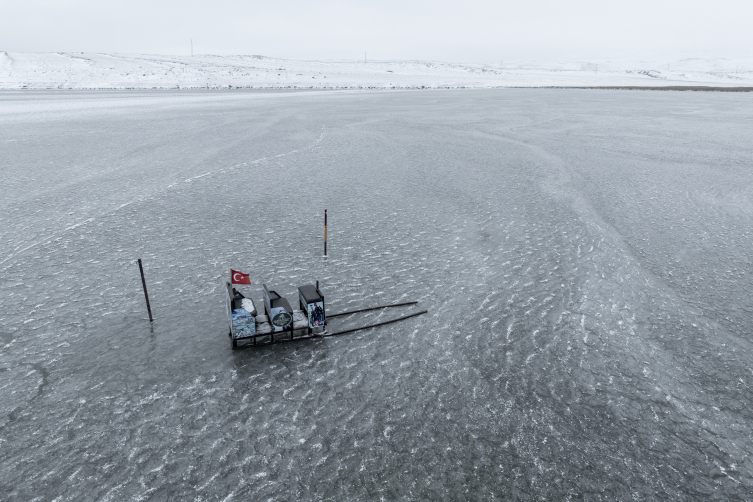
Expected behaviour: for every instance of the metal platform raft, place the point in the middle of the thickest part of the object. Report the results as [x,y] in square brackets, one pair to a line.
[281,324]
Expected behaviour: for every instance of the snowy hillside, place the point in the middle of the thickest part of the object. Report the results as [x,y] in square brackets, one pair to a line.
[120,71]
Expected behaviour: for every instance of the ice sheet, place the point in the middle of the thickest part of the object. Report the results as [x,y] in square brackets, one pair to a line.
[584,256]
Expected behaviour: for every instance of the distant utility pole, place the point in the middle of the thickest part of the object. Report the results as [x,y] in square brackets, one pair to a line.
[192,47]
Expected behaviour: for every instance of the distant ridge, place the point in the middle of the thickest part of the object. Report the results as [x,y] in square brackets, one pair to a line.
[67,70]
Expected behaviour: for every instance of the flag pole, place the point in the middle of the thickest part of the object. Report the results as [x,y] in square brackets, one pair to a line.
[146,295]
[325,232]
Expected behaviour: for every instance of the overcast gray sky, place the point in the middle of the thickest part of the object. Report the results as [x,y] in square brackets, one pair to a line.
[447,30]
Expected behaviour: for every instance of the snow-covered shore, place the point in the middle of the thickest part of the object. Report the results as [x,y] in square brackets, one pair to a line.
[140,71]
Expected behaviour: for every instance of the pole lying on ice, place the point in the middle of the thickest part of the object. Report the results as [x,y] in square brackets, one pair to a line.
[146,295]
[325,232]
[372,308]
[374,325]
[325,335]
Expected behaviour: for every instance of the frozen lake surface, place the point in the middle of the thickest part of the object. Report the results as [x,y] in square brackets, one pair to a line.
[584,256]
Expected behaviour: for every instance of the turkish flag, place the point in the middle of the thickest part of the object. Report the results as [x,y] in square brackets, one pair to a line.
[240,277]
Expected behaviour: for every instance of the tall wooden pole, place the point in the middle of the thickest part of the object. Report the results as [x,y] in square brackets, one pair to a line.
[325,232]
[146,295]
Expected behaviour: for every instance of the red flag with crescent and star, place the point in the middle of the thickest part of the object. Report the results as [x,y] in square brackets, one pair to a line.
[240,277]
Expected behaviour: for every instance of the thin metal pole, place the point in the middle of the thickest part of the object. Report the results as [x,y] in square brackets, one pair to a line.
[325,232]
[146,295]
[373,308]
[375,325]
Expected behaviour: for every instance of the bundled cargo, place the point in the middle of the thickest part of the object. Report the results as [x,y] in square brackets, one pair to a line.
[242,313]
[312,302]
[278,310]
